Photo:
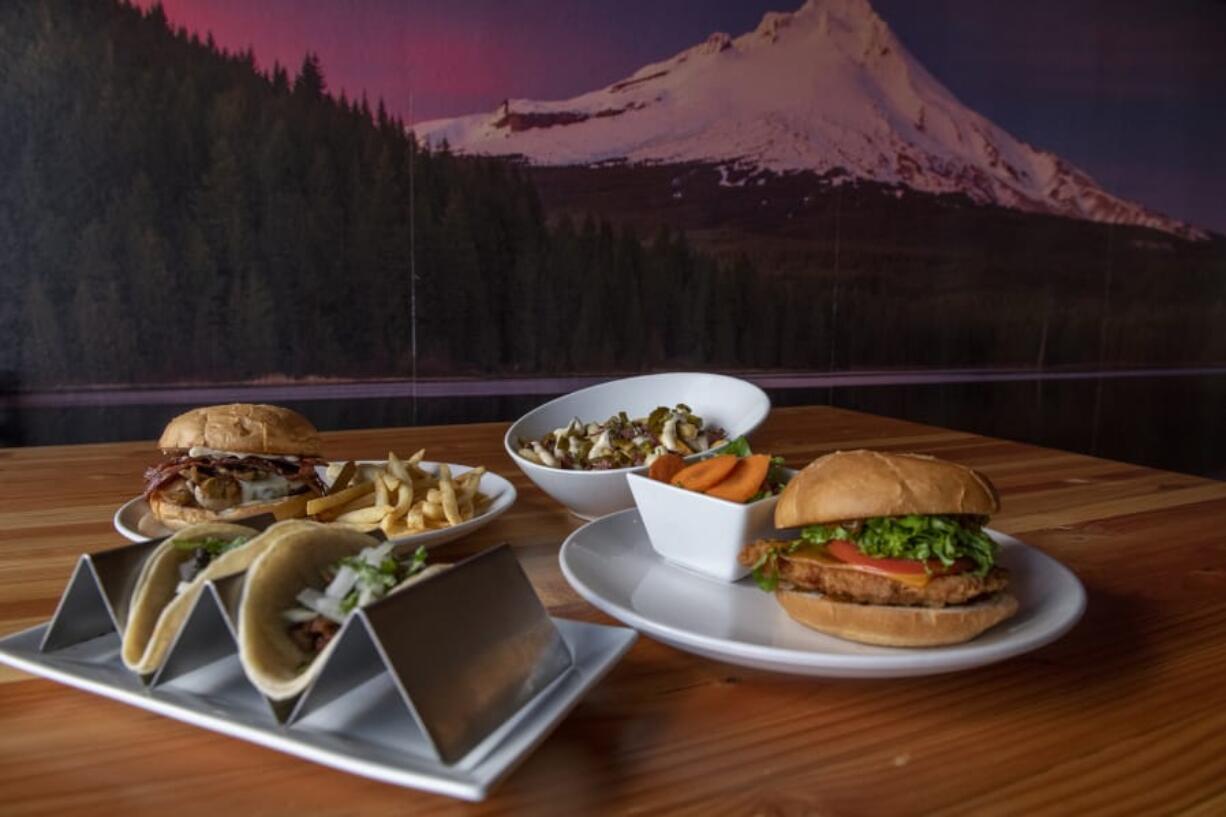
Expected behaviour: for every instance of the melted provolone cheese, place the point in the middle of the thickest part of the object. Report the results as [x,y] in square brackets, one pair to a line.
[201,451]
[271,486]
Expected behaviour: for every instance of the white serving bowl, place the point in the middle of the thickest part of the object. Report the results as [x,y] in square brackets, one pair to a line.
[736,405]
[700,532]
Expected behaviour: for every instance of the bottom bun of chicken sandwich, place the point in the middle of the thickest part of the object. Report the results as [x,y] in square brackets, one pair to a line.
[892,551]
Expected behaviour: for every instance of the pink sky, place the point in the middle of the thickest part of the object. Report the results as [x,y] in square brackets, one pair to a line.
[448,60]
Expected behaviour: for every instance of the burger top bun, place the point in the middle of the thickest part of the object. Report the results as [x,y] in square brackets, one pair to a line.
[248,428]
[849,485]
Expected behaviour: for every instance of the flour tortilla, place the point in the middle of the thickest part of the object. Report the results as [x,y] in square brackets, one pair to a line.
[157,609]
[274,663]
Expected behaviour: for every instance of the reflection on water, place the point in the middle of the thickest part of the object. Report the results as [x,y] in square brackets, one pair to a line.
[1167,422]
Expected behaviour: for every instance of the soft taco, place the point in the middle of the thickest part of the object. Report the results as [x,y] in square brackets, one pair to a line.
[301,590]
[171,580]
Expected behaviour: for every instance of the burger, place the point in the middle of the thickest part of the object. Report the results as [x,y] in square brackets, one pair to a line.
[891,551]
[229,462]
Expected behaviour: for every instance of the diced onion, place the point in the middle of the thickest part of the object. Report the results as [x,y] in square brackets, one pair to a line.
[308,597]
[367,579]
[326,606]
[298,615]
[340,586]
[375,556]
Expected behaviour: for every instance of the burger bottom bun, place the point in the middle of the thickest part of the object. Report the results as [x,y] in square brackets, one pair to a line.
[177,517]
[896,626]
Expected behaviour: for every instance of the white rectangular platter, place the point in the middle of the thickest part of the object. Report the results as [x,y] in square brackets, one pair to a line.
[357,733]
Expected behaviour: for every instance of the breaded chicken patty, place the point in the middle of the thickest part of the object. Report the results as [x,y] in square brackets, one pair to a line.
[864,587]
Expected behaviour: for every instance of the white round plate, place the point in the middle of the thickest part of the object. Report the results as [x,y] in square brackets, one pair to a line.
[610,562]
[501,493]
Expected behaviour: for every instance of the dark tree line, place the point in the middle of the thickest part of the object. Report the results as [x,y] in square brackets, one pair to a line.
[869,276]
[169,212]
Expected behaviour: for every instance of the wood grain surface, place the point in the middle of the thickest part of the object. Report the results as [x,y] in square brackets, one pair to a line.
[1125,714]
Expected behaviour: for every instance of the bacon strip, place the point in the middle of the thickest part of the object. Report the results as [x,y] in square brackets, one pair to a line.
[303,470]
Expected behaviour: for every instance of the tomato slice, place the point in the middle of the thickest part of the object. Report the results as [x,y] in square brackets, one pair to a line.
[846,551]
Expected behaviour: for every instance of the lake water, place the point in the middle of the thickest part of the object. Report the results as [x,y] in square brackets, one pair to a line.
[1164,422]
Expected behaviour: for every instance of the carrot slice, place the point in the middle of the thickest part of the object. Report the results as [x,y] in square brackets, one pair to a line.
[703,474]
[744,480]
[665,467]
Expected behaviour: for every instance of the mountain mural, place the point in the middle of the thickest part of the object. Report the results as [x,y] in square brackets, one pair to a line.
[174,214]
[827,89]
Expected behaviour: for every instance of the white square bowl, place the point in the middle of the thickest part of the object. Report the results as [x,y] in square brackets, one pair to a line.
[700,532]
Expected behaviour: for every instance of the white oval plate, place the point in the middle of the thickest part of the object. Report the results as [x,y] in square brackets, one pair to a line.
[501,493]
[610,562]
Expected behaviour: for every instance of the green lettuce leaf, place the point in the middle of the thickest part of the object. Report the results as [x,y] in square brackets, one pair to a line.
[915,536]
[213,544]
[380,578]
[738,448]
[766,568]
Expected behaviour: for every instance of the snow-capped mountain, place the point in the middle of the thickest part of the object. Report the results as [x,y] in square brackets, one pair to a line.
[828,89]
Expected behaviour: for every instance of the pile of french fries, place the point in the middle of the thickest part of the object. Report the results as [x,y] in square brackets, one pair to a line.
[399,497]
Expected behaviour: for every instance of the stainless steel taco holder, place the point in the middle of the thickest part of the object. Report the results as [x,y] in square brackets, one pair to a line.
[444,686]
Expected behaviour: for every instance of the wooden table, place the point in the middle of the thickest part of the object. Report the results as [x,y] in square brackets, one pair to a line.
[1127,713]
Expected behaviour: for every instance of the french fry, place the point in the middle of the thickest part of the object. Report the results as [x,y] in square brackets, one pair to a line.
[432,511]
[397,468]
[364,501]
[469,482]
[407,488]
[399,497]
[451,508]
[368,472]
[340,498]
[404,500]
[413,466]
[365,516]
[343,478]
[292,508]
